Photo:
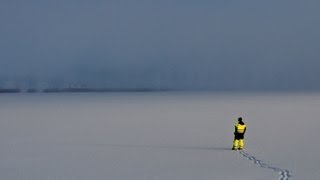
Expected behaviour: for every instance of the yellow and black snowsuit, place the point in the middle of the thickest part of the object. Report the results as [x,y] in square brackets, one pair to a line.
[239,131]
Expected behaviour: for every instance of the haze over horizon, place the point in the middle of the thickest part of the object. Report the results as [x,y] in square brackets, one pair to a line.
[221,45]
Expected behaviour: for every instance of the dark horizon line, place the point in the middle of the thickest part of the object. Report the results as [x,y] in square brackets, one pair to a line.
[92,90]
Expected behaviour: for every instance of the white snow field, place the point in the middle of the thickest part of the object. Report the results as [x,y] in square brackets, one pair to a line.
[158,136]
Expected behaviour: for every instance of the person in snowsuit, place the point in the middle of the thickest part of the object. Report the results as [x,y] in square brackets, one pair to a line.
[239,131]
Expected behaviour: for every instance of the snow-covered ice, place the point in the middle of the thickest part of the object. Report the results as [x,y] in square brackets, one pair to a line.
[158,136]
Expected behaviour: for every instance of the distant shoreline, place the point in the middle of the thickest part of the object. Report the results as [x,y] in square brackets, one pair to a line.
[14,90]
[102,90]
[54,90]
[79,90]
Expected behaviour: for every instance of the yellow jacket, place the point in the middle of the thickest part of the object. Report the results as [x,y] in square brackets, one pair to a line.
[240,128]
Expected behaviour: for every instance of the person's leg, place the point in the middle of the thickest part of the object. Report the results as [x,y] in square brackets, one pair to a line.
[241,144]
[241,141]
[235,144]
[236,141]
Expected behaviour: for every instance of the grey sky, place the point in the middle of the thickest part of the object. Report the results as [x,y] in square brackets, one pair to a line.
[222,44]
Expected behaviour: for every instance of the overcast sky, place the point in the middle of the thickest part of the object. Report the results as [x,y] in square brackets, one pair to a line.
[183,44]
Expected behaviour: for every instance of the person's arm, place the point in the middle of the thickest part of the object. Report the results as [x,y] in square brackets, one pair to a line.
[244,130]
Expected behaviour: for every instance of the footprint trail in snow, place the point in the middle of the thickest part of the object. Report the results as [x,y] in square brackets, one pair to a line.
[284,174]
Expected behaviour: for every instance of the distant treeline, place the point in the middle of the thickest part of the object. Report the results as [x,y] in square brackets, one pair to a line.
[9,90]
[60,90]
[101,90]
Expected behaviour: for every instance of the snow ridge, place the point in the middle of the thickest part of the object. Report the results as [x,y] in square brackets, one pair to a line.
[284,174]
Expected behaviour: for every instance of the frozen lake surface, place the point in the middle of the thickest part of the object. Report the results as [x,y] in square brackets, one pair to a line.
[158,136]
